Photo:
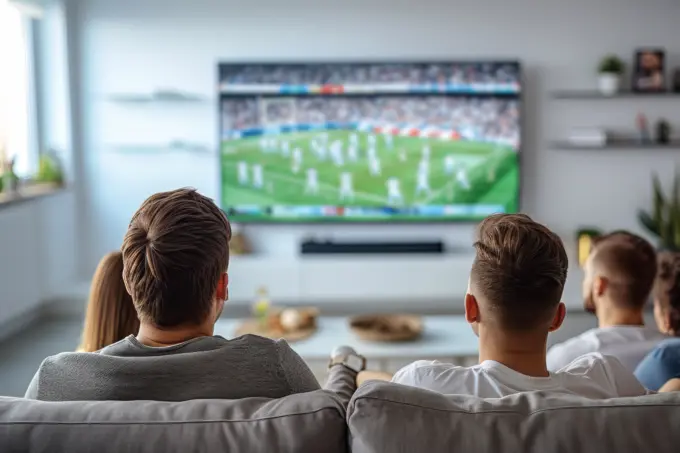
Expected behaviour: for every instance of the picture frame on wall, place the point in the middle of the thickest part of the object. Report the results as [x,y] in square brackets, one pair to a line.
[649,70]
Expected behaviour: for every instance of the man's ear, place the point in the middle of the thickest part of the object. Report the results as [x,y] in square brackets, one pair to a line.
[600,285]
[222,292]
[471,309]
[558,319]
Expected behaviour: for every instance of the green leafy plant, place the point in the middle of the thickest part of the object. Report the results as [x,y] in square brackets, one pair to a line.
[611,64]
[49,169]
[664,220]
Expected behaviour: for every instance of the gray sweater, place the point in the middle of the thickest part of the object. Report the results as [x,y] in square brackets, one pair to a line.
[201,368]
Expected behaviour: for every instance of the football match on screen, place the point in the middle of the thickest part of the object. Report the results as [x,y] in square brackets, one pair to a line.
[369,142]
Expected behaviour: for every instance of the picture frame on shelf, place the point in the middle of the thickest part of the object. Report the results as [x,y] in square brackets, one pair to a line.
[649,70]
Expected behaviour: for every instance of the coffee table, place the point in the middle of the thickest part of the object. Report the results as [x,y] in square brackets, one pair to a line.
[447,338]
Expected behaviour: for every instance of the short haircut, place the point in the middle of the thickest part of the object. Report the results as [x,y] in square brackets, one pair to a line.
[667,287]
[519,270]
[175,249]
[629,263]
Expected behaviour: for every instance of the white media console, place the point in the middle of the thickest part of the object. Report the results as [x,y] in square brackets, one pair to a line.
[316,279]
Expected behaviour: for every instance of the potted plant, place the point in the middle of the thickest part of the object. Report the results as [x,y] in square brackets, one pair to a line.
[49,169]
[611,69]
[664,220]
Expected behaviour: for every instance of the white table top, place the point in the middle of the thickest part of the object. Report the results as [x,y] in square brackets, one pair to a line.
[443,337]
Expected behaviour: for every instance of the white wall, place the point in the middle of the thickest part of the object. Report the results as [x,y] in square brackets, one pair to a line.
[38,253]
[141,45]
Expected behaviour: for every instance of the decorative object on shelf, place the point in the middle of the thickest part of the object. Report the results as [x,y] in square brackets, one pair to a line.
[160,95]
[663,132]
[622,143]
[676,80]
[291,324]
[649,71]
[642,126]
[239,243]
[588,137]
[387,327]
[584,241]
[610,71]
[50,169]
[9,182]
[664,219]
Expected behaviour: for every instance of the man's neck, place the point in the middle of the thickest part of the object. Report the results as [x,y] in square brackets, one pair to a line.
[612,316]
[150,335]
[523,353]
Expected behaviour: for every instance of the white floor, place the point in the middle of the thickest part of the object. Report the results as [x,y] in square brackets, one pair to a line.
[21,355]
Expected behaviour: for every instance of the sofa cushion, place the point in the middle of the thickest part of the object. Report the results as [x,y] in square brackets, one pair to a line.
[306,422]
[385,417]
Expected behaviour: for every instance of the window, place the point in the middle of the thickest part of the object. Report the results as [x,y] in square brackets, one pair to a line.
[16,84]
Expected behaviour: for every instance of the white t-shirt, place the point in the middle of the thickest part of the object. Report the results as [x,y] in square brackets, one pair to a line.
[592,376]
[629,344]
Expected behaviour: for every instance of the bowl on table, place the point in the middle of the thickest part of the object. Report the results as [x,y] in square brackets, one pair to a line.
[387,327]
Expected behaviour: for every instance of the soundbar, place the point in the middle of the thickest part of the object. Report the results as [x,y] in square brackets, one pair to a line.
[370,248]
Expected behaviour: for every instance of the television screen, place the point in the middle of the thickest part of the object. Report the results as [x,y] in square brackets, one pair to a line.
[369,142]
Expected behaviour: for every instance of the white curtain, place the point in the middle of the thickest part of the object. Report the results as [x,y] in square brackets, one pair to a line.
[14,86]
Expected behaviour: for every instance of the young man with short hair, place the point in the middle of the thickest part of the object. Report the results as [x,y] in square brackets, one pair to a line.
[513,302]
[176,254]
[619,276]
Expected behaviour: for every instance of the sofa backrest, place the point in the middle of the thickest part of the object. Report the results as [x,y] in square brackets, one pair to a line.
[385,417]
[308,422]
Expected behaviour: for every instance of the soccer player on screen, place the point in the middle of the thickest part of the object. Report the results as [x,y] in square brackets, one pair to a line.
[462,178]
[423,179]
[372,141]
[297,160]
[374,167]
[312,184]
[424,166]
[336,153]
[426,152]
[285,148]
[389,141]
[449,164]
[258,176]
[372,153]
[354,140]
[346,189]
[394,196]
[353,152]
[242,170]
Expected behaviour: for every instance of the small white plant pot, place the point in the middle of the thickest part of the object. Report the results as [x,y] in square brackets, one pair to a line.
[609,84]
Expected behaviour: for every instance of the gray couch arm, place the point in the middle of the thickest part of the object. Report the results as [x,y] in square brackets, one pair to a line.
[342,382]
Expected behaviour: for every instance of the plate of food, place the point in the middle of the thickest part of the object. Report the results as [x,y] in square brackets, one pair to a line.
[387,327]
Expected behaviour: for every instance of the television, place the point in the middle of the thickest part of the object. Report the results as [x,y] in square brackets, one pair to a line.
[369,142]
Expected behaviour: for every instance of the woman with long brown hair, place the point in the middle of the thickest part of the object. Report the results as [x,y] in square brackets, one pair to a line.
[110,316]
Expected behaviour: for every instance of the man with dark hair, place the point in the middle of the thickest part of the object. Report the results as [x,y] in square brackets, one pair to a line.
[619,276]
[512,303]
[176,254]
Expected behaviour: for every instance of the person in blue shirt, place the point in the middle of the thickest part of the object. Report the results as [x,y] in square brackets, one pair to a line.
[663,363]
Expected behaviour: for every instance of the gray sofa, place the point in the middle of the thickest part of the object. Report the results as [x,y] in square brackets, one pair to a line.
[303,423]
[391,418]
[382,417]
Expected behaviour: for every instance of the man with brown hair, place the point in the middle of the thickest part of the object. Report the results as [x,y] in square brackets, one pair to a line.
[619,276]
[512,303]
[175,254]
